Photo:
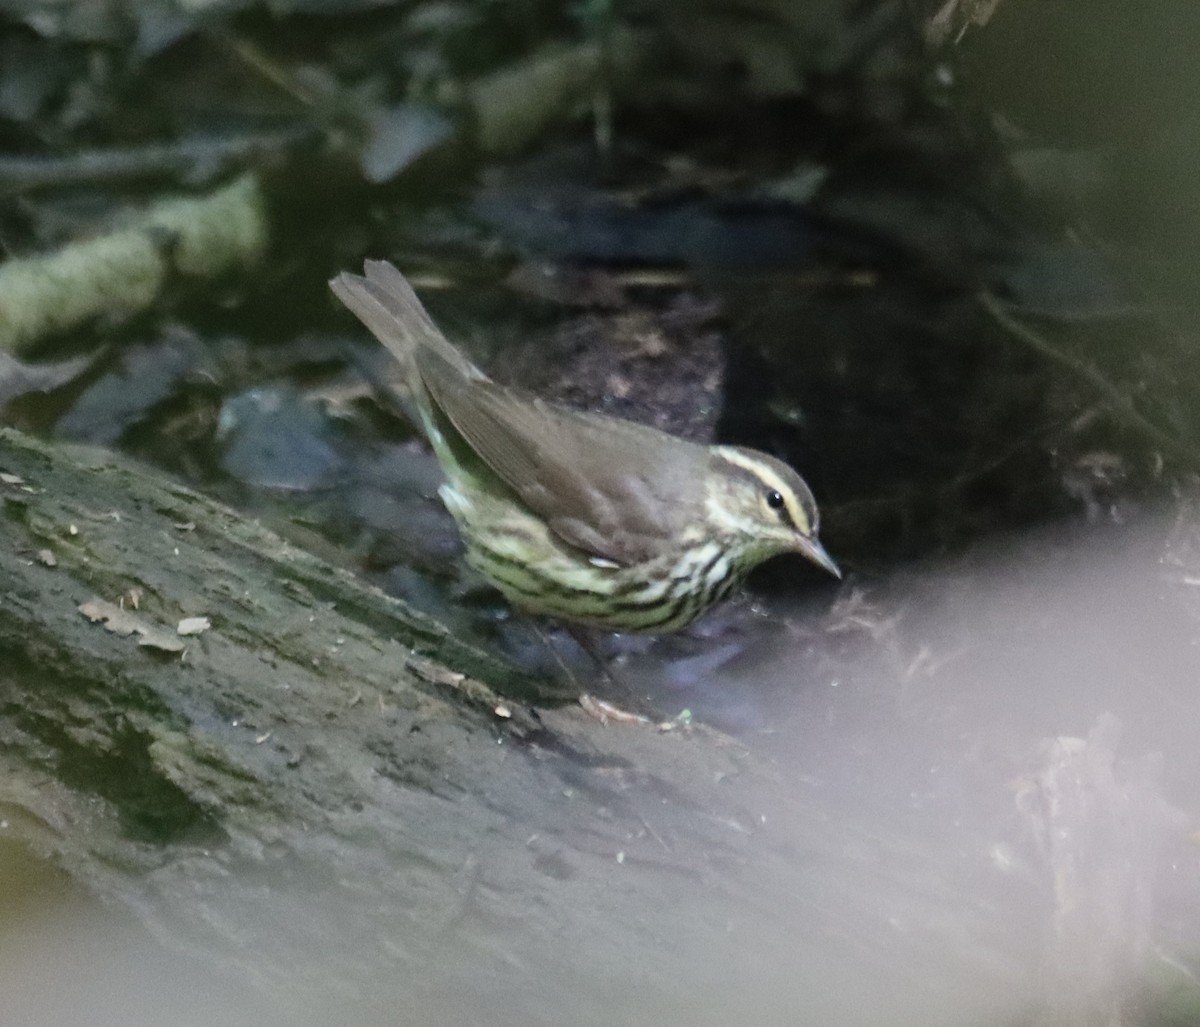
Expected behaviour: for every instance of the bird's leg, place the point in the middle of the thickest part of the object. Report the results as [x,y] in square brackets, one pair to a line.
[552,649]
[603,708]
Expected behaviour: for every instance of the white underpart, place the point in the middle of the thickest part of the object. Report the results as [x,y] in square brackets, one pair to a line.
[453,500]
[718,556]
[709,553]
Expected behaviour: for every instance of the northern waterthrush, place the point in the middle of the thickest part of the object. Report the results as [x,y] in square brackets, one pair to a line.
[580,516]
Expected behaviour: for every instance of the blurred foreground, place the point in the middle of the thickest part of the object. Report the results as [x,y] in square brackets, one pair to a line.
[1002,774]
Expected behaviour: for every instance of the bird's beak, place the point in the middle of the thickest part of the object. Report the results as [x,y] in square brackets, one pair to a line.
[814,551]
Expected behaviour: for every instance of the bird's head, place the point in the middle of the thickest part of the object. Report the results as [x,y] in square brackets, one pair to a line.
[764,506]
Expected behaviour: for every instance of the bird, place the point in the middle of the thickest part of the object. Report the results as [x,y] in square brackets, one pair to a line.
[589,519]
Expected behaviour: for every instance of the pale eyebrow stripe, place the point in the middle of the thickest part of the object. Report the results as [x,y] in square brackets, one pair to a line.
[764,477]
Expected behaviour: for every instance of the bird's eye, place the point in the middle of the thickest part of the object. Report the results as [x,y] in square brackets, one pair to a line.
[775,501]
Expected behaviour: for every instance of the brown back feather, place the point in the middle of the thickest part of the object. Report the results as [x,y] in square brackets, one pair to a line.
[615,489]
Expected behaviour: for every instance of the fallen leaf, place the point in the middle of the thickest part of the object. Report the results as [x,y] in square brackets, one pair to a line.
[121,622]
[114,619]
[158,638]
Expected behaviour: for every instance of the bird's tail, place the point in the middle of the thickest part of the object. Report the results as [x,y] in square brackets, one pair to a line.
[385,302]
[387,305]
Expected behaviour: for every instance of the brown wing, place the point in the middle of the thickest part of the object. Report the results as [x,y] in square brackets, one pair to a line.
[614,489]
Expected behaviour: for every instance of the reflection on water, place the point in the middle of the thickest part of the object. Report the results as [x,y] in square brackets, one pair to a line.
[1000,764]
